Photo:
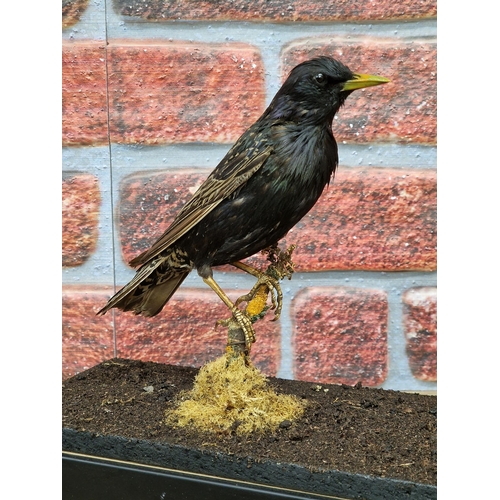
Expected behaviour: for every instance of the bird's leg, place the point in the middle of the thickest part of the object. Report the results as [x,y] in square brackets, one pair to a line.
[281,266]
[241,334]
[241,317]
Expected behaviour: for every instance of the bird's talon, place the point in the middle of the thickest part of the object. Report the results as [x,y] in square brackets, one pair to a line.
[246,325]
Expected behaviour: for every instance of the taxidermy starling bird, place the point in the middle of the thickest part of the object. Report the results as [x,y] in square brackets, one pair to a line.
[266,183]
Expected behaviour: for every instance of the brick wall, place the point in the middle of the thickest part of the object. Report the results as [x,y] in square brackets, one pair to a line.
[155,93]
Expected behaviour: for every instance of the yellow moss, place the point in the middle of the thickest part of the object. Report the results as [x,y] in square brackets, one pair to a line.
[234,397]
[257,304]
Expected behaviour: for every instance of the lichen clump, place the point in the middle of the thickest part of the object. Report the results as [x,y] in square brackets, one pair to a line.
[233,398]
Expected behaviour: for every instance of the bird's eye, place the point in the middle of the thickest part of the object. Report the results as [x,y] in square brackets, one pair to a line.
[320,78]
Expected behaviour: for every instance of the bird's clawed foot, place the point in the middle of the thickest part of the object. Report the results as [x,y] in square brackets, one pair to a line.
[281,266]
[256,298]
[240,329]
[244,322]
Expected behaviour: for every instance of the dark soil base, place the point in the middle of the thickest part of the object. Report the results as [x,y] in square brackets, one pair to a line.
[358,430]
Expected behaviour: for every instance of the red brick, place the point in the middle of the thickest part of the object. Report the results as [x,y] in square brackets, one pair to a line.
[420,326]
[87,339]
[72,10]
[340,335]
[184,333]
[403,110]
[163,92]
[277,10]
[84,107]
[80,218]
[369,218]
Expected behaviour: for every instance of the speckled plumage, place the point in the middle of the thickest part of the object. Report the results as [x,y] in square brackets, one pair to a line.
[268,181]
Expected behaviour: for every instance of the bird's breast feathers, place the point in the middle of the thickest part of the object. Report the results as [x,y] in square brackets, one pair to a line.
[308,154]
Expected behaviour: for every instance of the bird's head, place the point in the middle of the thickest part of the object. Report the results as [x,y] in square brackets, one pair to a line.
[316,89]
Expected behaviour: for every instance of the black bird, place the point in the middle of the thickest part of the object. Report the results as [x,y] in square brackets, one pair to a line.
[266,183]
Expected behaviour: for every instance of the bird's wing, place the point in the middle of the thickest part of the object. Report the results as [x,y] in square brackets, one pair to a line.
[233,171]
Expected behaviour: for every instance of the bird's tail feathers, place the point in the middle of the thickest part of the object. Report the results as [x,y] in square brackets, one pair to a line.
[153,300]
[140,298]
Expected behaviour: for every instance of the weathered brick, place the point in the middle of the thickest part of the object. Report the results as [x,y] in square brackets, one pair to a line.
[368,218]
[403,110]
[277,10]
[420,326]
[87,339]
[81,199]
[184,333]
[340,335]
[72,11]
[163,92]
[84,106]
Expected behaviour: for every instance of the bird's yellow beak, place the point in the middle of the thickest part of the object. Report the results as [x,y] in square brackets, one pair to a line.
[360,81]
